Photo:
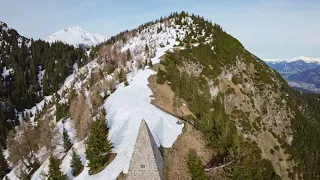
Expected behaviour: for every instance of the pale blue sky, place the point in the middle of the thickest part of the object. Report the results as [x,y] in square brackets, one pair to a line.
[269,29]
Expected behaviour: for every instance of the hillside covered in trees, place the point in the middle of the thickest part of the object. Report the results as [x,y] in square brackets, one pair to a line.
[256,126]
[30,70]
[229,91]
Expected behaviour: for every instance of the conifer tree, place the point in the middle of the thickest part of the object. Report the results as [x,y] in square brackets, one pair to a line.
[3,164]
[27,118]
[66,141]
[128,55]
[54,170]
[195,167]
[159,29]
[58,111]
[160,76]
[76,163]
[122,75]
[98,144]
[126,83]
[150,63]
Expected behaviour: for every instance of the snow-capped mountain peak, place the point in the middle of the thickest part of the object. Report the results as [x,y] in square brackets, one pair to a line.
[302,58]
[75,35]
[74,28]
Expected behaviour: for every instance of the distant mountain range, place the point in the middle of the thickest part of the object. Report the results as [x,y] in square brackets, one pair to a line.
[75,36]
[300,72]
[302,58]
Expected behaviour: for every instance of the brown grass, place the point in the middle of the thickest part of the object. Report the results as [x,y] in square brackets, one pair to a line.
[176,157]
[163,98]
[122,176]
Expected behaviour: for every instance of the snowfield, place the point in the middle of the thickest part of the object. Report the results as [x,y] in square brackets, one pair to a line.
[125,108]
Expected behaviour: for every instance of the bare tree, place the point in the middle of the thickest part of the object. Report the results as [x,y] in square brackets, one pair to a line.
[96,99]
[81,115]
[24,144]
[22,148]
[105,52]
[108,67]
[122,60]
[111,85]
[138,64]
[116,74]
[48,134]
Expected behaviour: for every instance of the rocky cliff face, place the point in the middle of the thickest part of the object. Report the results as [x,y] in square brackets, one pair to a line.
[260,111]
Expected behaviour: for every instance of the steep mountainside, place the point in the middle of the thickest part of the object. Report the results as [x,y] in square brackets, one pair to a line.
[229,90]
[79,102]
[246,120]
[75,36]
[30,70]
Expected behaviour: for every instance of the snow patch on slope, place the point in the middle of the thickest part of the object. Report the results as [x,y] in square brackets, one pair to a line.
[125,108]
[40,77]
[157,42]
[75,36]
[6,72]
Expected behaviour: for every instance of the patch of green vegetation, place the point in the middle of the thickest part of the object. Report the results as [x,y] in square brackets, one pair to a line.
[271,151]
[211,119]
[259,121]
[188,117]
[254,166]
[160,76]
[196,169]
[306,132]
[237,79]
[230,91]
[255,126]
